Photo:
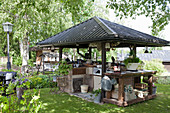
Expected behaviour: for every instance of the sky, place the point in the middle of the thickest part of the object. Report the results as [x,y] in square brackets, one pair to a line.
[141,23]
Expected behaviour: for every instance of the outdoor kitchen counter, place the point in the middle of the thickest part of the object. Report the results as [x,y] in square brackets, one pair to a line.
[131,73]
[123,77]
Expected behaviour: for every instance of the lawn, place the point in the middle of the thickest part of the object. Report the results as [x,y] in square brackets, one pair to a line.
[64,103]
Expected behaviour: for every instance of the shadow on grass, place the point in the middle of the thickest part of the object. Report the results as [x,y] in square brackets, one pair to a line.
[64,103]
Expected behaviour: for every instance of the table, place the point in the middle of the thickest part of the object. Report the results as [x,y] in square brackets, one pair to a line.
[122,77]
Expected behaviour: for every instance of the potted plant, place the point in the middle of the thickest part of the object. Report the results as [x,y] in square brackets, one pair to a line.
[97,94]
[62,69]
[60,74]
[132,63]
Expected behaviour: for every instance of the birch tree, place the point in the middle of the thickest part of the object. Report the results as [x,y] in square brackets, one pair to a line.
[36,20]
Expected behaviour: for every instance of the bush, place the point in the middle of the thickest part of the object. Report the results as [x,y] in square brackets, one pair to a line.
[29,104]
[163,80]
[156,65]
[47,81]
[41,81]
[36,82]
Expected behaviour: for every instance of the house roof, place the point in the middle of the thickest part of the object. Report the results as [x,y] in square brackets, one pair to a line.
[163,55]
[98,29]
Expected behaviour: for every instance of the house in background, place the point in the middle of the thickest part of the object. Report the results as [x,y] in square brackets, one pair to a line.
[163,55]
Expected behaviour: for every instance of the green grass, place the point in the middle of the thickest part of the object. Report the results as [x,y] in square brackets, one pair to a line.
[64,103]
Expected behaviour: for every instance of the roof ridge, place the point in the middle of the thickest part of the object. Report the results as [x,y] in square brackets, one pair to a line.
[104,26]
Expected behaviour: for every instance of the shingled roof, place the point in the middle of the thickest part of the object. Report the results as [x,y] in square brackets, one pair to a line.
[98,29]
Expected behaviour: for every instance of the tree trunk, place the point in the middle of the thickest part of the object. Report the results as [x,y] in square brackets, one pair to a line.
[24,47]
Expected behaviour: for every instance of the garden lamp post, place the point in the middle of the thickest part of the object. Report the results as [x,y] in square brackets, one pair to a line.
[8,28]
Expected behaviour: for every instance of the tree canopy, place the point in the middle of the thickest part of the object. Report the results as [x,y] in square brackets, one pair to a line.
[157,10]
[35,20]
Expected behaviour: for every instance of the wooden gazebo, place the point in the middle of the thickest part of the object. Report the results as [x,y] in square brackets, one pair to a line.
[100,31]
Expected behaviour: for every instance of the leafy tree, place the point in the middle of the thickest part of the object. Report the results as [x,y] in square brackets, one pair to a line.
[157,10]
[37,20]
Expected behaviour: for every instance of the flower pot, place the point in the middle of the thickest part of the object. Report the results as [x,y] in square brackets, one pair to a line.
[20,92]
[97,98]
[54,78]
[84,88]
[132,66]
[154,90]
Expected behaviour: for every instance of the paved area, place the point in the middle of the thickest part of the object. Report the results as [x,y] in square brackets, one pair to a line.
[86,96]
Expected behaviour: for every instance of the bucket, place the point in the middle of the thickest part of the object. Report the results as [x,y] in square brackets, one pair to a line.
[84,88]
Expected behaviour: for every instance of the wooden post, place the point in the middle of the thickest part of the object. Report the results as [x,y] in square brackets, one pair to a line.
[150,79]
[121,90]
[103,66]
[90,52]
[134,49]
[60,53]
[108,94]
[103,59]
[43,63]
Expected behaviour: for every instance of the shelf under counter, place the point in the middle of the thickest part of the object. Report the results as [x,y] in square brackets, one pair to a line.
[127,103]
[126,78]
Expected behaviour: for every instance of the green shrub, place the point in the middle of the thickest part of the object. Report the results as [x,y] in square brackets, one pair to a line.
[162,80]
[156,65]
[29,104]
[36,82]
[47,81]
[17,60]
[41,81]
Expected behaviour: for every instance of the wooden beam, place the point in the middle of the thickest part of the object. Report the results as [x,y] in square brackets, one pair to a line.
[60,53]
